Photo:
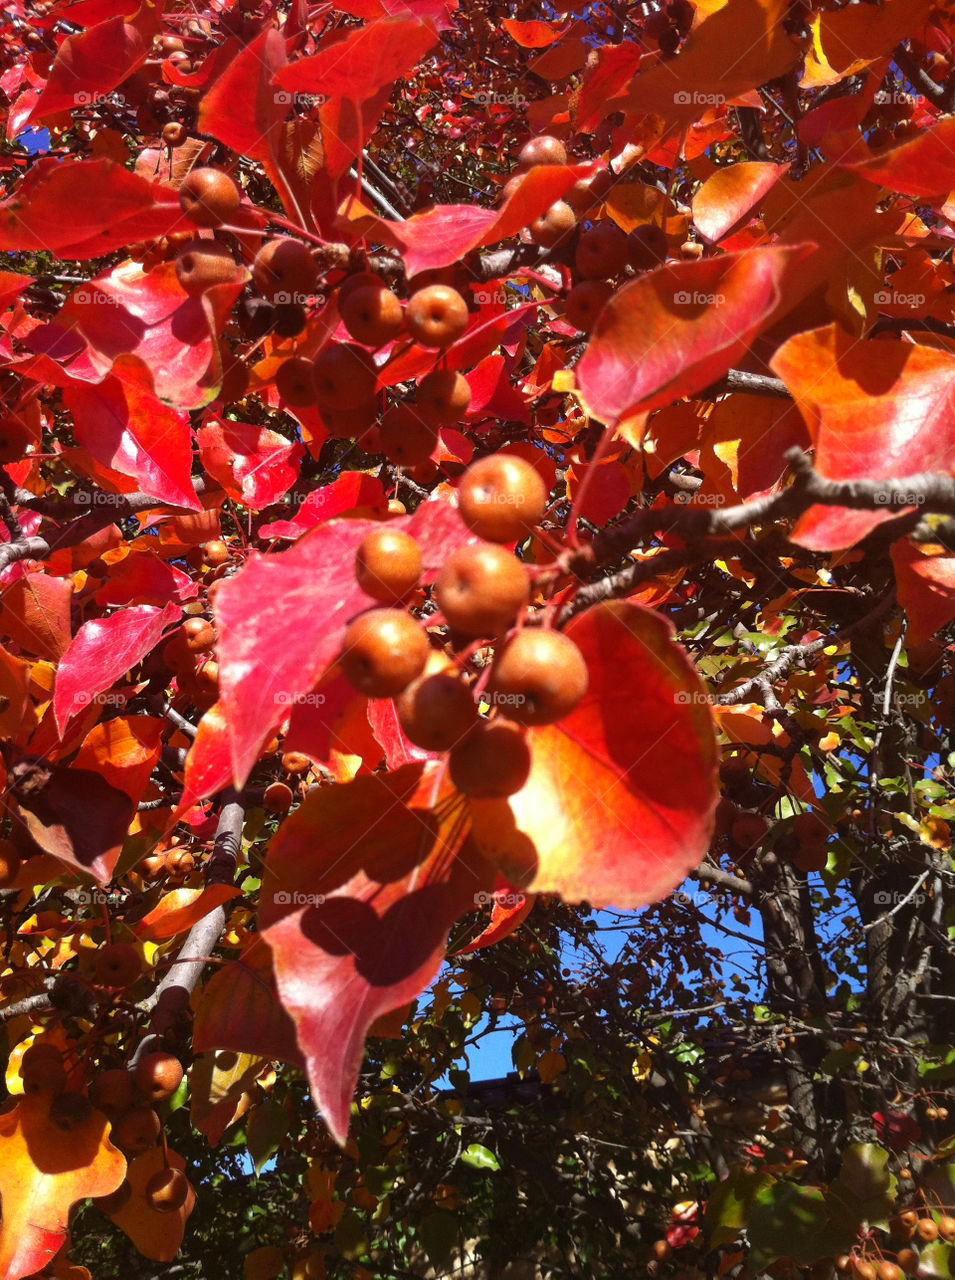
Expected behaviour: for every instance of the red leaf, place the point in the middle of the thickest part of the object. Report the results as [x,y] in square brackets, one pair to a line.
[179,910]
[208,764]
[142,578]
[239,1009]
[367,60]
[361,886]
[307,595]
[675,330]
[35,613]
[91,64]
[876,410]
[101,652]
[509,909]
[108,207]
[124,751]
[350,491]
[925,583]
[919,166]
[730,194]
[12,283]
[632,772]
[126,427]
[533,35]
[254,465]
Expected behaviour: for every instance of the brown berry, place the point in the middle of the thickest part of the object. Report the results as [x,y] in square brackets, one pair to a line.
[494,760]
[344,377]
[443,397]
[587,193]
[553,225]
[436,711]
[602,252]
[351,424]
[926,1230]
[946,1228]
[908,1261]
[215,553]
[167,1190]
[436,316]
[888,1271]
[198,635]
[112,1090]
[538,677]
[371,314]
[209,197]
[749,829]
[585,303]
[544,149]
[137,1130]
[203,264]
[284,270]
[662,1250]
[480,590]
[294,382]
[387,565]
[501,498]
[41,1069]
[174,133]
[117,965]
[158,1076]
[278,797]
[294,762]
[382,652]
[404,437]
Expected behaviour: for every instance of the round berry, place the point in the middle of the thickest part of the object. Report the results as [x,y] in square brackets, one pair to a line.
[174,133]
[553,225]
[137,1130]
[443,397]
[908,1261]
[278,797]
[284,268]
[117,965]
[157,1076]
[198,635]
[387,565]
[587,193]
[749,829]
[350,424]
[208,197]
[294,382]
[946,1228]
[371,314]
[167,1190]
[112,1090]
[382,652]
[539,677]
[295,762]
[585,303]
[344,377]
[405,438]
[436,316]
[41,1069]
[202,264]
[501,498]
[436,711]
[480,590]
[646,247]
[544,149]
[926,1230]
[602,252]
[494,760]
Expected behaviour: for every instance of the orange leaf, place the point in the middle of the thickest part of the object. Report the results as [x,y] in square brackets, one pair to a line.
[45,1168]
[156,1235]
[180,909]
[925,579]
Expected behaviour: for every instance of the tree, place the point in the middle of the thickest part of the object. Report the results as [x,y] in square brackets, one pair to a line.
[477,497]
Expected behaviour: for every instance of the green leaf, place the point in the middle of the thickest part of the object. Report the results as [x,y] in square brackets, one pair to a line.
[438,1234]
[727,1209]
[865,1190]
[478,1157]
[266,1129]
[787,1221]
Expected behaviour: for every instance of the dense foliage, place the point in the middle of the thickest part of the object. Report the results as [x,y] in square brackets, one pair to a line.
[477,552]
